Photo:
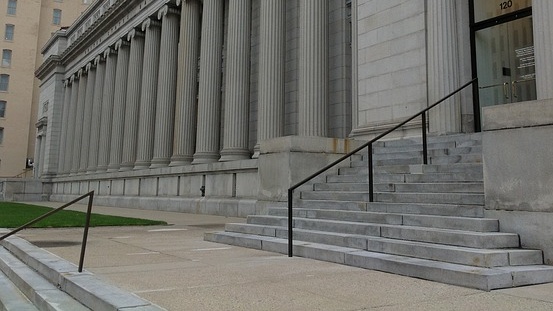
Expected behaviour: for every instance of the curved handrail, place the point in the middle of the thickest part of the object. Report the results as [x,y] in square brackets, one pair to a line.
[368,144]
[90,196]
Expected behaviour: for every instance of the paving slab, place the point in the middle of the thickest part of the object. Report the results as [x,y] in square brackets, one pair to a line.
[173,267]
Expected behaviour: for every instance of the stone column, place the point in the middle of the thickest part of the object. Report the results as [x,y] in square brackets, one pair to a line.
[187,83]
[79,116]
[313,68]
[167,87]
[118,122]
[87,117]
[443,66]
[209,101]
[107,110]
[96,117]
[272,39]
[542,17]
[237,90]
[136,60]
[71,123]
[64,126]
[148,94]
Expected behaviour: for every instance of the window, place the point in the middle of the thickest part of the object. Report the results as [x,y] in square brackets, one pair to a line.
[1,135]
[2,108]
[6,58]
[56,18]
[12,7]
[8,34]
[4,82]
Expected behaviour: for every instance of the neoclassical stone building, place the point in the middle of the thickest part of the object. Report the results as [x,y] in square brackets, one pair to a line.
[218,106]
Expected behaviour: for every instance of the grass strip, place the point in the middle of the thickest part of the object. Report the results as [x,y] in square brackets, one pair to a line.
[13,215]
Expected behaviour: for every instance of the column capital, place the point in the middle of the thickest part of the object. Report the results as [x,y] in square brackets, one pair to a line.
[179,2]
[108,51]
[149,22]
[121,43]
[98,59]
[134,33]
[89,66]
[165,10]
[81,73]
[66,82]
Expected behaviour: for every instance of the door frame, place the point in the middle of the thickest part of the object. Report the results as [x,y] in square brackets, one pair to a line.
[474,27]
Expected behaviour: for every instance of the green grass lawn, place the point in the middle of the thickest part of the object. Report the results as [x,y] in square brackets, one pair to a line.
[13,215]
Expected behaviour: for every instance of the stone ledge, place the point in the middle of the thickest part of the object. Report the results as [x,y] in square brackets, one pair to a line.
[517,115]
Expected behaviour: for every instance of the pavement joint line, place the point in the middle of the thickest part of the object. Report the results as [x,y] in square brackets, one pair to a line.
[143,253]
[167,230]
[211,249]
[156,290]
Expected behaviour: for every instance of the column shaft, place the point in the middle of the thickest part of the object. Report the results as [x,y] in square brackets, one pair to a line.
[96,117]
[87,118]
[443,66]
[542,17]
[209,101]
[136,60]
[72,125]
[148,95]
[187,83]
[64,126]
[167,87]
[118,122]
[313,68]
[107,110]
[235,140]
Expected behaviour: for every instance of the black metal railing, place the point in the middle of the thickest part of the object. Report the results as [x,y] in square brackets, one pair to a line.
[368,145]
[90,196]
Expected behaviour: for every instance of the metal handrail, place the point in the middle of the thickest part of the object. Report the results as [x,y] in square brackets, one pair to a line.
[368,144]
[90,196]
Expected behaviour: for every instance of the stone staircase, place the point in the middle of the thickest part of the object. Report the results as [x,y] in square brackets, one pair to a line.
[427,221]
[34,279]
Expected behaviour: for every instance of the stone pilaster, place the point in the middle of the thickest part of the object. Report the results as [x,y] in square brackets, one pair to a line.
[313,68]
[209,98]
[96,117]
[542,18]
[148,94]
[79,117]
[270,112]
[64,126]
[87,117]
[443,66]
[235,140]
[136,60]
[187,83]
[107,109]
[167,87]
[118,122]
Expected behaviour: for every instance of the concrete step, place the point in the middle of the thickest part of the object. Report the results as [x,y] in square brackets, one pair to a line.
[443,159]
[487,240]
[444,222]
[397,197]
[390,207]
[409,178]
[388,153]
[456,274]
[415,169]
[83,287]
[11,298]
[475,187]
[42,293]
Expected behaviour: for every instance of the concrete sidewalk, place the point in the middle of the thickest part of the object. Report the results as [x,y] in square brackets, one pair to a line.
[174,268]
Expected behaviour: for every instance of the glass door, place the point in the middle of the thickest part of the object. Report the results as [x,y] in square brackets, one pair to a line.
[505,62]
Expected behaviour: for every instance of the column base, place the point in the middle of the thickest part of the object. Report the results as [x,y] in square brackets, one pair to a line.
[181,160]
[113,168]
[126,167]
[101,169]
[205,157]
[159,162]
[234,155]
[141,165]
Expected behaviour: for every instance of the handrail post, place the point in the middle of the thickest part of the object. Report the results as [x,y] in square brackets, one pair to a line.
[290,223]
[371,179]
[424,142]
[85,233]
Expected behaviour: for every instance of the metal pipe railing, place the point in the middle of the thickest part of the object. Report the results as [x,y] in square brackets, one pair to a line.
[90,196]
[368,145]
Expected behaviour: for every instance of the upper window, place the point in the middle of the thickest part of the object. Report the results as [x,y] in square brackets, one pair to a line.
[12,7]
[2,108]
[56,17]
[8,34]
[1,135]
[4,82]
[6,58]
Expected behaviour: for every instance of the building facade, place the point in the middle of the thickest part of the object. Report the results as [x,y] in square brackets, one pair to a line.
[27,25]
[219,106]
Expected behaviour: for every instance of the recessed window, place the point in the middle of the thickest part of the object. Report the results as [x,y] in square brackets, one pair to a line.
[6,58]
[1,135]
[2,108]
[8,33]
[12,7]
[56,17]
[4,82]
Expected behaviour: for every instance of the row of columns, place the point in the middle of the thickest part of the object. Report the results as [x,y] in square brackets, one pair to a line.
[134,106]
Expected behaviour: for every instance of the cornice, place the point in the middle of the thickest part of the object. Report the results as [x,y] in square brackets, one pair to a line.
[48,66]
